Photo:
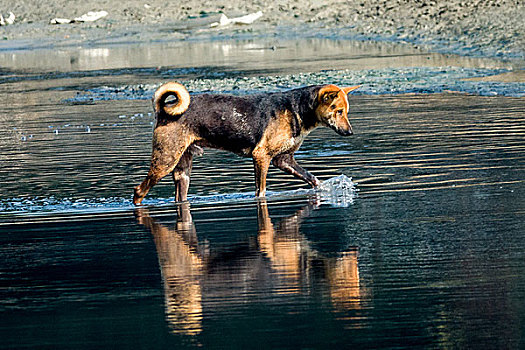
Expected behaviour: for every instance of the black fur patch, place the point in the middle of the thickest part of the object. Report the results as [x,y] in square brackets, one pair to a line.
[237,123]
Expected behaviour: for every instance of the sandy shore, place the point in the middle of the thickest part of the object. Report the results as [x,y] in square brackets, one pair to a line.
[480,28]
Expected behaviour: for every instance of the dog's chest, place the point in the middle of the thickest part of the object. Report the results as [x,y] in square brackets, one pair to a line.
[280,135]
[293,143]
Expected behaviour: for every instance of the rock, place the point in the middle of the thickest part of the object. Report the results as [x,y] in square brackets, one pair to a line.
[9,20]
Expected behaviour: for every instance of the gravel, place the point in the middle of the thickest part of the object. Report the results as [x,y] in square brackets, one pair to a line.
[490,28]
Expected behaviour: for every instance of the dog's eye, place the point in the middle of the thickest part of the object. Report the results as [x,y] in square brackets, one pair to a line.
[340,112]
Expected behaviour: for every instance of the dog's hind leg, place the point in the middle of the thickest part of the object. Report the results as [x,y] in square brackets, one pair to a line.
[287,163]
[164,158]
[155,174]
[181,176]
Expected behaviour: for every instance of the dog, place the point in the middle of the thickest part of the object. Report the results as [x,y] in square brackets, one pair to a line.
[267,127]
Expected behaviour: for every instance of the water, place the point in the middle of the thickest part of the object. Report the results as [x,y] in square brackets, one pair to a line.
[415,239]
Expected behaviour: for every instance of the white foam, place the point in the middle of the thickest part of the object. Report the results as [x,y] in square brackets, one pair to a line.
[338,191]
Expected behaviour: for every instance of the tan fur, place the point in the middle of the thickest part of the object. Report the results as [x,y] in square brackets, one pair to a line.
[278,136]
[171,89]
[174,140]
[331,100]
[170,143]
[277,139]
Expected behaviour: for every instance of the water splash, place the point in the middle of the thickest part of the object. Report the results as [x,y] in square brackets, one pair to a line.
[338,191]
[58,205]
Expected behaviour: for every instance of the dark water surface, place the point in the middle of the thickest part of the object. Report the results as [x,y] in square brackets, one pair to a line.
[429,252]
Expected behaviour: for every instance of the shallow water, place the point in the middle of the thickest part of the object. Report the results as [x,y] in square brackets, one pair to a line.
[425,248]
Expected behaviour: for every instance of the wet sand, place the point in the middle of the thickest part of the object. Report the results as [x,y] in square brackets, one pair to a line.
[481,28]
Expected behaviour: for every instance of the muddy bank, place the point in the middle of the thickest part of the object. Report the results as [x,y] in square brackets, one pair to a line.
[478,28]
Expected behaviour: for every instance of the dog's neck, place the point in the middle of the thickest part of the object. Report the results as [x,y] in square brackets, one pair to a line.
[304,104]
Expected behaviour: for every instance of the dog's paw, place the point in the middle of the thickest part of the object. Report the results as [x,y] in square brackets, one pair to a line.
[137,196]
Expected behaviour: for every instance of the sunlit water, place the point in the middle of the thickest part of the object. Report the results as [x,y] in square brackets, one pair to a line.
[415,239]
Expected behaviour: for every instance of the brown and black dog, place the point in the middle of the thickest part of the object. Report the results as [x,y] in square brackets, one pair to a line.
[269,128]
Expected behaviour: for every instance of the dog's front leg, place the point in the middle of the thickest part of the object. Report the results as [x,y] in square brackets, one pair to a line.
[287,163]
[261,165]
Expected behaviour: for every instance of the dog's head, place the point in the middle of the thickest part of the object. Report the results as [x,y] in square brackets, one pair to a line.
[332,108]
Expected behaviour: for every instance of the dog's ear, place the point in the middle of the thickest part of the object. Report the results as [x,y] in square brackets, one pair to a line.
[350,88]
[328,93]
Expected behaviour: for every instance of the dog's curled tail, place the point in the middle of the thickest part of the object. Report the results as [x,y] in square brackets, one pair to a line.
[175,108]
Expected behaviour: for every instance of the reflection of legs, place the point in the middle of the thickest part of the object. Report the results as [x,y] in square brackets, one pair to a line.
[266,234]
[283,248]
[181,268]
[287,163]
[184,214]
[263,217]
[343,278]
[185,225]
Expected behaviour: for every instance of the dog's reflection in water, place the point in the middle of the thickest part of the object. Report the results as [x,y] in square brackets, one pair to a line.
[281,260]
[182,269]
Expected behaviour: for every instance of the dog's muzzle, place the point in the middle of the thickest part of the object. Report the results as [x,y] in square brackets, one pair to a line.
[344,132]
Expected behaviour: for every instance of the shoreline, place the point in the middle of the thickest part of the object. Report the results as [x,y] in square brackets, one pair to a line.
[478,29]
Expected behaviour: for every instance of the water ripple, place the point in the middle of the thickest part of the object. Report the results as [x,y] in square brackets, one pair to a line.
[338,191]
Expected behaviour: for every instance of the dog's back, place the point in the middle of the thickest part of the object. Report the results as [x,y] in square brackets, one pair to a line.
[227,122]
[237,123]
